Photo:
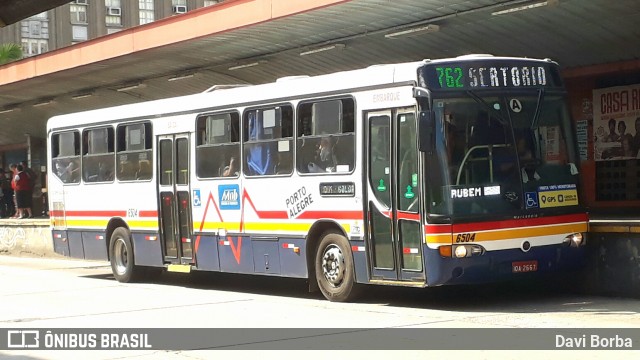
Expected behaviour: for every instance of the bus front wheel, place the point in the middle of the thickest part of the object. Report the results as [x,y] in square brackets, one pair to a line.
[334,268]
[121,256]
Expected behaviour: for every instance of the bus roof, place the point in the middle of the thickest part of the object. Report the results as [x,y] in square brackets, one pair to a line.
[286,88]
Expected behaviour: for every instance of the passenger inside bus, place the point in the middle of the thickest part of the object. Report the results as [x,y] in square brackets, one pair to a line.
[69,173]
[231,169]
[98,171]
[144,170]
[325,159]
[126,171]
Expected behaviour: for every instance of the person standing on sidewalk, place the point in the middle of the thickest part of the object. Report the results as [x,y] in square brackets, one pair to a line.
[6,202]
[13,171]
[32,181]
[23,193]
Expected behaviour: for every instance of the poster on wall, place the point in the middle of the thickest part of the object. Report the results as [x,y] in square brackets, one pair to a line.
[616,122]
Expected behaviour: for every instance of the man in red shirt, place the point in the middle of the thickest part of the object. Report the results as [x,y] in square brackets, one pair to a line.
[23,193]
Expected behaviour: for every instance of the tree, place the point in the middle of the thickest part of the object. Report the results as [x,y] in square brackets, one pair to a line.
[9,53]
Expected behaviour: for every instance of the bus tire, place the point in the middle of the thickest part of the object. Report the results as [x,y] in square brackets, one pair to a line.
[122,257]
[335,272]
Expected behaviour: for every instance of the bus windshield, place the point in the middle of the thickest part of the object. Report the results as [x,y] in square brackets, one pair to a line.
[506,154]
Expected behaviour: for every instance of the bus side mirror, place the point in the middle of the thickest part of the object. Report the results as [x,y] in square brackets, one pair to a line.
[426,130]
[426,125]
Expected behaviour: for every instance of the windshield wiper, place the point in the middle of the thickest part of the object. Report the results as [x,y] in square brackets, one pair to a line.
[536,114]
[495,113]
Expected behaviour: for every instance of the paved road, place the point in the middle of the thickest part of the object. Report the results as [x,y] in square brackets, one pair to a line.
[62,293]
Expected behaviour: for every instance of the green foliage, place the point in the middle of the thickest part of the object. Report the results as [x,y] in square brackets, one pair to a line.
[9,53]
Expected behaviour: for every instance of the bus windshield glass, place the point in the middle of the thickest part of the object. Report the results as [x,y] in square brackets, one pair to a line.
[501,153]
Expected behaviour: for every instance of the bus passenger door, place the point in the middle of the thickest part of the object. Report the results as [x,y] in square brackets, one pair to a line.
[393,193]
[175,203]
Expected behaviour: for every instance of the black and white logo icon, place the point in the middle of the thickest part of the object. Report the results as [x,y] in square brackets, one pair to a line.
[23,339]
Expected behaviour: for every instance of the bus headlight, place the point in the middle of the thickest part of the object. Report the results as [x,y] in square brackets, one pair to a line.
[574,240]
[461,251]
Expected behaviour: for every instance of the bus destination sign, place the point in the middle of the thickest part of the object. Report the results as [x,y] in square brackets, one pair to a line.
[475,75]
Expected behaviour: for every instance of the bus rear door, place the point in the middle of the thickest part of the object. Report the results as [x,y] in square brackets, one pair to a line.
[393,193]
[175,203]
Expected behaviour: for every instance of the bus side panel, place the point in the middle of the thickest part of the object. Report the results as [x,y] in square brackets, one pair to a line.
[60,242]
[207,253]
[293,264]
[266,258]
[236,255]
[76,249]
[147,248]
[359,260]
[94,245]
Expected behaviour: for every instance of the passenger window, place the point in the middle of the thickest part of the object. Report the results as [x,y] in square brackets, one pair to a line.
[326,136]
[98,160]
[135,143]
[268,141]
[65,150]
[218,145]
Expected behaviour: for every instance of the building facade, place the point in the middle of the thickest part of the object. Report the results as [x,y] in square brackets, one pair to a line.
[82,20]
[75,22]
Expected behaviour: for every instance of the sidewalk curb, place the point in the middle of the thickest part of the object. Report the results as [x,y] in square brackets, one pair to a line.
[30,237]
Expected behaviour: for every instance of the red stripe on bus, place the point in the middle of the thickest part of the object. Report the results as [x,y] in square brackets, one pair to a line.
[324,214]
[408,216]
[96,213]
[149,213]
[506,224]
[438,229]
[273,215]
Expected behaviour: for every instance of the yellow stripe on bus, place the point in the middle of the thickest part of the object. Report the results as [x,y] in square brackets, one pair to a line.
[438,239]
[529,232]
[492,235]
[133,224]
[209,226]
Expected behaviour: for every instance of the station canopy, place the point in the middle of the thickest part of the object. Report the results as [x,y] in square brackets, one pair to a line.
[258,41]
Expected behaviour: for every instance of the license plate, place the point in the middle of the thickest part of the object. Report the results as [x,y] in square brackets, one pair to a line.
[524,266]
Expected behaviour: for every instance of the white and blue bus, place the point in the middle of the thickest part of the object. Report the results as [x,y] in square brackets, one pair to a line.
[434,172]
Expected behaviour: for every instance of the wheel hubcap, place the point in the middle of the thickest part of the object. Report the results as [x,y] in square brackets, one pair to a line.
[333,265]
[120,253]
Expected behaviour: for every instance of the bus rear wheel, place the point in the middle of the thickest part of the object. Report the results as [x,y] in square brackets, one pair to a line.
[122,257]
[334,268]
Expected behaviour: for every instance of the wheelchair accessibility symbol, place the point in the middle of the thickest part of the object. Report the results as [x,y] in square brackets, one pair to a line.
[197,201]
[531,200]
